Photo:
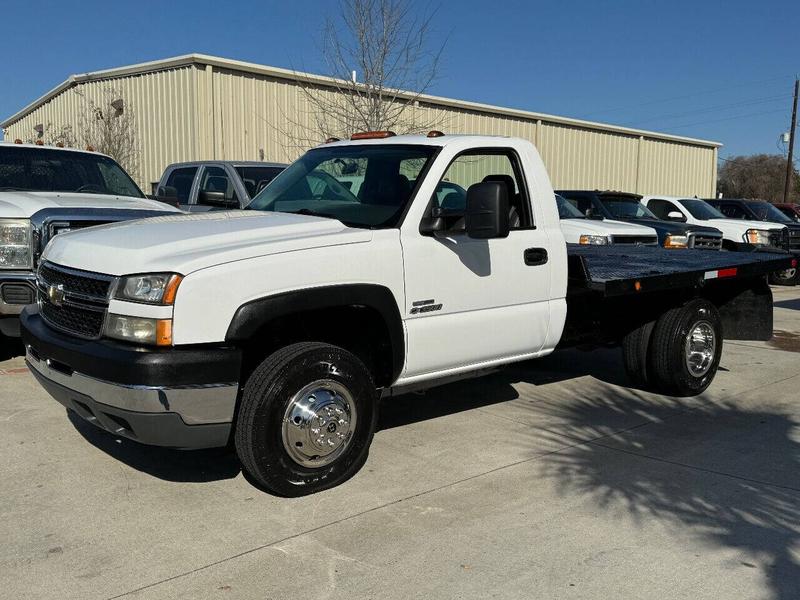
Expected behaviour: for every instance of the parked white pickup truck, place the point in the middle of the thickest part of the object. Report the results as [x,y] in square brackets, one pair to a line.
[45,191]
[579,229]
[738,235]
[279,327]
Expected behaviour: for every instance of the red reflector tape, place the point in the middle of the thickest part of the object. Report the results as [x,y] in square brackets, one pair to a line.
[721,273]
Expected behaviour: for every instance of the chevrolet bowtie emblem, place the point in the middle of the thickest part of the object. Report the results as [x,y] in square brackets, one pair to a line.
[55,293]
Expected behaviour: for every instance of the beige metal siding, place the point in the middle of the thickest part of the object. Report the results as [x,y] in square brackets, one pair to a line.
[165,116]
[203,111]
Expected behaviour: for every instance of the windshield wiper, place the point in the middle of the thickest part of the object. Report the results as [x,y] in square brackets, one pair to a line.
[12,188]
[313,213]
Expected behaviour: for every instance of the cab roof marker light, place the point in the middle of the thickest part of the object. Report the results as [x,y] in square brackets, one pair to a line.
[330,140]
[435,133]
[372,135]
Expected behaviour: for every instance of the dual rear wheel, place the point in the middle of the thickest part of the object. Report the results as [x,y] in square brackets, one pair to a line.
[679,353]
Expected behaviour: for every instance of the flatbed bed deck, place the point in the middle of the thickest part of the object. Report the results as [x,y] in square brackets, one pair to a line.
[620,270]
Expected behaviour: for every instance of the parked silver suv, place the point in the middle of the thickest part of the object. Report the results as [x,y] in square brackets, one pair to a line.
[208,185]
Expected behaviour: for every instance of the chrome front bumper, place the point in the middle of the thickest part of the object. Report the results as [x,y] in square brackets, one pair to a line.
[183,417]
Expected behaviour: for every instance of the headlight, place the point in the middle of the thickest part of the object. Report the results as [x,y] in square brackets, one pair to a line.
[15,244]
[676,241]
[155,288]
[593,240]
[757,237]
[156,332]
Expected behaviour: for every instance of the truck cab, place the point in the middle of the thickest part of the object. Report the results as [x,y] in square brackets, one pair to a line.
[47,191]
[201,186]
[627,207]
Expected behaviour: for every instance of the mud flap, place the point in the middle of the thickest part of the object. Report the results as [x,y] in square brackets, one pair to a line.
[747,312]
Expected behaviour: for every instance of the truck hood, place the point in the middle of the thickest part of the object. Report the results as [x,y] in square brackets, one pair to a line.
[608,226]
[22,205]
[185,243]
[734,229]
[664,227]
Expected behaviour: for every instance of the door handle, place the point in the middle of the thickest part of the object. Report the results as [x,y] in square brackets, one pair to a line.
[535,256]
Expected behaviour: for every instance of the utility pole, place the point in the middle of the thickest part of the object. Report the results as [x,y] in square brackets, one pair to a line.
[789,161]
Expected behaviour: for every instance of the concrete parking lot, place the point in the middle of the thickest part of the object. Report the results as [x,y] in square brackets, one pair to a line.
[551,479]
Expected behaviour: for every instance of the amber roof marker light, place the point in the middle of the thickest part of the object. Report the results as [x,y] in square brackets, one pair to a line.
[372,135]
[435,133]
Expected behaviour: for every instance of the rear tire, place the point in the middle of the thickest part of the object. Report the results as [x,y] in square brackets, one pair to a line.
[686,349]
[789,277]
[307,417]
[635,354]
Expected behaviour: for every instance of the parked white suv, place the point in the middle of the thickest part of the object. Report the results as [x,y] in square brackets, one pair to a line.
[579,229]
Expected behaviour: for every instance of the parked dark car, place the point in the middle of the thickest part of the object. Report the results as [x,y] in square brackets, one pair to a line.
[623,206]
[790,210]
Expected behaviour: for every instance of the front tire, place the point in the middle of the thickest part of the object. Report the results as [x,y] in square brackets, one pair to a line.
[686,349]
[306,420]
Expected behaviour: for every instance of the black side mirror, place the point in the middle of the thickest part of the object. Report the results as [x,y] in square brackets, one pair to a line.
[167,191]
[487,210]
[217,199]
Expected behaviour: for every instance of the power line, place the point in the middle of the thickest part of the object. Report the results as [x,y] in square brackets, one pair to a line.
[719,107]
[757,114]
[692,95]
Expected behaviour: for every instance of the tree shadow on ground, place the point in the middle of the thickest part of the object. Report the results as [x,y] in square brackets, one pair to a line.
[727,476]
[194,466]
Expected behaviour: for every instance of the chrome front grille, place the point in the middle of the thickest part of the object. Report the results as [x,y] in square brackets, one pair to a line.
[794,239]
[705,241]
[73,301]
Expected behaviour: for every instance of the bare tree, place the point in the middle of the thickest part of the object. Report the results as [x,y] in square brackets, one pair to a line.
[759,176]
[51,135]
[381,61]
[108,126]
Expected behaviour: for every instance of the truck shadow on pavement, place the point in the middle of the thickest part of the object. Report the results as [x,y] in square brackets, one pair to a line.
[719,475]
[792,304]
[192,466]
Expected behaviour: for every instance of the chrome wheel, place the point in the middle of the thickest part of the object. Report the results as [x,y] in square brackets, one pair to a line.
[787,275]
[701,345]
[319,423]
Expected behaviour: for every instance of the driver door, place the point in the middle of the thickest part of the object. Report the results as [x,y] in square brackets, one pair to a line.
[472,301]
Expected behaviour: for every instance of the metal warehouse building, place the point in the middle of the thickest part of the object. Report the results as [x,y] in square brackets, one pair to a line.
[198,107]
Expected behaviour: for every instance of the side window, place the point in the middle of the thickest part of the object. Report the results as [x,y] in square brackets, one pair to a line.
[479,166]
[181,179]
[662,208]
[216,188]
[582,203]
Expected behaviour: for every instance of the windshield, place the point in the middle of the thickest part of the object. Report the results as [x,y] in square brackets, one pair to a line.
[320,184]
[767,212]
[700,209]
[256,178]
[567,210]
[52,170]
[626,208]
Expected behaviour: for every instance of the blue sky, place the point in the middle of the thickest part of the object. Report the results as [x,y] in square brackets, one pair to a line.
[720,70]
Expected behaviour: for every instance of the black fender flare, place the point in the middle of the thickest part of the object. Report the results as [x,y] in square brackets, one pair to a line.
[257,313]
